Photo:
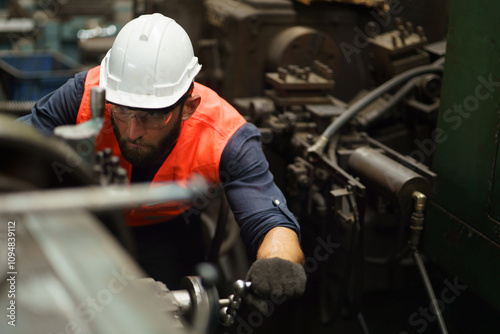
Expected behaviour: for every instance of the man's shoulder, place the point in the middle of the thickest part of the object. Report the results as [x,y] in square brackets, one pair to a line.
[246,131]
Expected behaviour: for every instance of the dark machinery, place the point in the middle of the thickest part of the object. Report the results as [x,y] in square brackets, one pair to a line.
[364,165]
[91,292]
[63,268]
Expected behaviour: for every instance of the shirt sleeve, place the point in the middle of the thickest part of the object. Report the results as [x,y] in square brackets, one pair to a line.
[257,203]
[59,107]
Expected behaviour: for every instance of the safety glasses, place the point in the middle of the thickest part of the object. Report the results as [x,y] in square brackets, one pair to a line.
[146,119]
[151,119]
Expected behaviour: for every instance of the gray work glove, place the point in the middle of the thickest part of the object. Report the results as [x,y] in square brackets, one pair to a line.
[274,280]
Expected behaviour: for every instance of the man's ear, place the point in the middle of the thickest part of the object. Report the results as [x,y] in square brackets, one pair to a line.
[190,106]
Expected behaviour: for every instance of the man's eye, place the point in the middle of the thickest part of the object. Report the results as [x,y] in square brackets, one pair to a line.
[156,115]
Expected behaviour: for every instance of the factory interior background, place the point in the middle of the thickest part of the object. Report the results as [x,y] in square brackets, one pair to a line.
[402,200]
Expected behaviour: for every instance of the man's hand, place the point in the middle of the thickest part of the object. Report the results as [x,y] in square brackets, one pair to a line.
[274,280]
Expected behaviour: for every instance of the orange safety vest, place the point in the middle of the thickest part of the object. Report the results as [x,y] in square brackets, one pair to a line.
[198,150]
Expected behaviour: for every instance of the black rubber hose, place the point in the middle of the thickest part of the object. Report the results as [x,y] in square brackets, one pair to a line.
[429,290]
[359,105]
[393,100]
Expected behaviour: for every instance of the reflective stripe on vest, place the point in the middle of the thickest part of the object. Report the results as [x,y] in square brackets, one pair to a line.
[198,150]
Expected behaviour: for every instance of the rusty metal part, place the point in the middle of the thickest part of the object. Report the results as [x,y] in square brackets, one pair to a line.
[397,51]
[295,85]
[302,46]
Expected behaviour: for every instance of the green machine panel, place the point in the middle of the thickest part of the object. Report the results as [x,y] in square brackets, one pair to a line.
[495,191]
[462,232]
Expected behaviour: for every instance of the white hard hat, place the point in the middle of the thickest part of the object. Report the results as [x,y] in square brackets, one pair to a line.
[150,65]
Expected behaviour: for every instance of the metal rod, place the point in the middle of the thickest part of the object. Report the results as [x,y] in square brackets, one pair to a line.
[99,198]
[430,291]
[97,101]
[225,302]
[362,323]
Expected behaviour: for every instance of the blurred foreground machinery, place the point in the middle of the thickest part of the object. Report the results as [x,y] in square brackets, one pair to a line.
[62,267]
[67,256]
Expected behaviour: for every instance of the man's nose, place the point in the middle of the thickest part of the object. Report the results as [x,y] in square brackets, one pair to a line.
[135,130]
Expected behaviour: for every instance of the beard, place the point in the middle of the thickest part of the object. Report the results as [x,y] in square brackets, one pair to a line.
[149,154]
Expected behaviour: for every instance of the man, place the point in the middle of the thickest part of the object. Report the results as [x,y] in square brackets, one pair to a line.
[166,127]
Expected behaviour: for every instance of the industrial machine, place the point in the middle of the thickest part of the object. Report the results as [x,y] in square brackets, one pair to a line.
[380,122]
[368,126]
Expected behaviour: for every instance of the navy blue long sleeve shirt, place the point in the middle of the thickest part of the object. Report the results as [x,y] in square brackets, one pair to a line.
[257,203]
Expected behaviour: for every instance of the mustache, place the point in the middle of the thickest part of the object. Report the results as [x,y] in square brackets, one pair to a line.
[138,141]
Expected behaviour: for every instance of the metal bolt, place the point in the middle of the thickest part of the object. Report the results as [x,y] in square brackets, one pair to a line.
[121,176]
[409,26]
[307,72]
[402,37]
[99,157]
[394,41]
[107,152]
[282,73]
[421,33]
[235,302]
[239,286]
[303,180]
[114,161]
[299,73]
[310,139]
[372,29]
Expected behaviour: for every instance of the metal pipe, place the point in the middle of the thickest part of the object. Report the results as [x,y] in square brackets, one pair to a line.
[387,176]
[416,225]
[100,198]
[362,323]
[430,291]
